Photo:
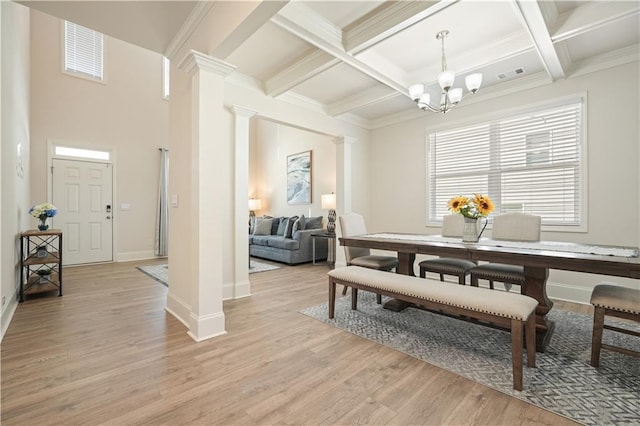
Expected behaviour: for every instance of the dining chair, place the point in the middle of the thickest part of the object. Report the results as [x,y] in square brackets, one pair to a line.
[452,226]
[615,301]
[352,224]
[508,227]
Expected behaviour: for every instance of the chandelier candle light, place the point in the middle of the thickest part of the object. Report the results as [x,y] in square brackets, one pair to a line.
[450,97]
[328,202]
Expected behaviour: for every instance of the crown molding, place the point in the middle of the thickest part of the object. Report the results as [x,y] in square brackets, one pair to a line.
[199,11]
[195,61]
[606,60]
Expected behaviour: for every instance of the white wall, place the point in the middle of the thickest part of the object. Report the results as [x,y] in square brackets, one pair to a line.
[398,153]
[14,88]
[127,113]
[273,143]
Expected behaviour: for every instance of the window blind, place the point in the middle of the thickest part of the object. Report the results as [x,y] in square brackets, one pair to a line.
[83,50]
[529,163]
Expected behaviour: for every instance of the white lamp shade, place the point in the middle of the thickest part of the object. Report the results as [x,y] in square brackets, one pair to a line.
[416,91]
[424,100]
[328,201]
[255,204]
[445,79]
[473,82]
[455,95]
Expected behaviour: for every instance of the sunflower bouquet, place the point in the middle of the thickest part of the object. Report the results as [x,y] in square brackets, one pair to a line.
[472,207]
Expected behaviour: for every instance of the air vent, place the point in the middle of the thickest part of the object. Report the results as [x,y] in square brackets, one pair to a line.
[510,74]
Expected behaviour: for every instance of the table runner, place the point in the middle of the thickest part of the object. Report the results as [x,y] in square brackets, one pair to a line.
[541,245]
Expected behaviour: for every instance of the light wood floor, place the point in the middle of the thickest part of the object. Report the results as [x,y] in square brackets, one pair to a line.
[108,353]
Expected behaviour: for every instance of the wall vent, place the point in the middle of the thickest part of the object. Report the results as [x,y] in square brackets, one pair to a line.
[510,74]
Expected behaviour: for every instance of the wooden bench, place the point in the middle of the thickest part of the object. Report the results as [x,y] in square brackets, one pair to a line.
[510,310]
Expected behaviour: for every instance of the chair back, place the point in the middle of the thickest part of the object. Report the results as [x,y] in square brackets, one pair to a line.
[352,224]
[516,227]
[452,225]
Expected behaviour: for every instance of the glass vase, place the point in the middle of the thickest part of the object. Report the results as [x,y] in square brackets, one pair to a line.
[42,224]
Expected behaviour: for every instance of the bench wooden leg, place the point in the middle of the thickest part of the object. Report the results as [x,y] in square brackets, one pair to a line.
[332,298]
[354,298]
[516,353]
[596,339]
[530,339]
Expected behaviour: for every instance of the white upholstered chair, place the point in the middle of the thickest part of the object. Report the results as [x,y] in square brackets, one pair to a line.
[509,227]
[452,226]
[352,224]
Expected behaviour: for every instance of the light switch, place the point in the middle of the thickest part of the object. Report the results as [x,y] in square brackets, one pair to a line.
[174,200]
[125,206]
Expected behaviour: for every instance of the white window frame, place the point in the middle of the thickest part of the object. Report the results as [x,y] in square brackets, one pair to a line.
[514,112]
[166,79]
[79,74]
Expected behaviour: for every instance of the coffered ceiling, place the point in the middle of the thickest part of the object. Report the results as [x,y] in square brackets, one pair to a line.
[356,59]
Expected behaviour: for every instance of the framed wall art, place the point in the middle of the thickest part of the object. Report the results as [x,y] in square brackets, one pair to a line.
[299,178]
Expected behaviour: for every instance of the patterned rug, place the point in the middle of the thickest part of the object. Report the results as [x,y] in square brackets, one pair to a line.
[563,381]
[160,273]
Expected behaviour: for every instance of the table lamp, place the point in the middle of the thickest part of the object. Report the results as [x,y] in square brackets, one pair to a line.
[254,204]
[328,202]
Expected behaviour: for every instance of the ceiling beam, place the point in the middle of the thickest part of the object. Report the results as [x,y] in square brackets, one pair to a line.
[536,26]
[319,32]
[388,19]
[261,15]
[368,97]
[590,16]
[302,70]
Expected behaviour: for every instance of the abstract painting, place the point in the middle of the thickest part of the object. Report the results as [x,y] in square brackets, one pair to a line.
[299,178]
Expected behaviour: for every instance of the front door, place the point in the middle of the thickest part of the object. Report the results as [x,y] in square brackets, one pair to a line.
[82,192]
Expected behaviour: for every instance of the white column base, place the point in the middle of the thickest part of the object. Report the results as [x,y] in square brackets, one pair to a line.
[206,327]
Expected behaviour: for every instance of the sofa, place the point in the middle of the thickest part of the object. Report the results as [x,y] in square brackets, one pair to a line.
[286,239]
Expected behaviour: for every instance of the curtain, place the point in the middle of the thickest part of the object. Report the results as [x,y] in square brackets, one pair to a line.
[162,243]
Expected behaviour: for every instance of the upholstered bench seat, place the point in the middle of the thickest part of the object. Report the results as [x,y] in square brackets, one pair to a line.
[507,309]
[616,301]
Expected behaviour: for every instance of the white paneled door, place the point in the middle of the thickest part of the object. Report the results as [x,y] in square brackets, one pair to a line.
[82,192]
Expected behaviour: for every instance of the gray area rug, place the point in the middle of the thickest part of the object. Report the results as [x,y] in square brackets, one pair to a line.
[563,381]
[160,273]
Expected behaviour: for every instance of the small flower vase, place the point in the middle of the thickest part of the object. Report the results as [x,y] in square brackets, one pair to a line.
[470,231]
[42,224]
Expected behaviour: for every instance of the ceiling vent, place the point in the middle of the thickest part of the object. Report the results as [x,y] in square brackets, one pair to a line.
[510,74]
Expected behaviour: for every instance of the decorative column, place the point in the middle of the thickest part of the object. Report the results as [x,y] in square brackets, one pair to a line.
[198,196]
[241,286]
[344,190]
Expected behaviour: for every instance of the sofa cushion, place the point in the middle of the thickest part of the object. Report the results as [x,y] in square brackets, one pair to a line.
[288,233]
[262,240]
[313,223]
[298,225]
[282,227]
[262,226]
[284,243]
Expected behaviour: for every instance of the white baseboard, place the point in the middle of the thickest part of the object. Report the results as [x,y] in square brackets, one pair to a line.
[135,255]
[206,326]
[7,314]
[569,293]
[178,308]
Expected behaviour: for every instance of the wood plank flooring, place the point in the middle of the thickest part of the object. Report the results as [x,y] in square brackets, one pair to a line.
[108,353]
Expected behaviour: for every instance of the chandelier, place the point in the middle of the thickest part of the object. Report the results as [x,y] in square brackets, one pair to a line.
[450,97]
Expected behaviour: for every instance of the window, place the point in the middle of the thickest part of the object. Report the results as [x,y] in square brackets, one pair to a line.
[67,151]
[166,66]
[83,51]
[528,163]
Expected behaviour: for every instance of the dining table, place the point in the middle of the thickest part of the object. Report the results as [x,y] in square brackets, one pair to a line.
[535,257]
